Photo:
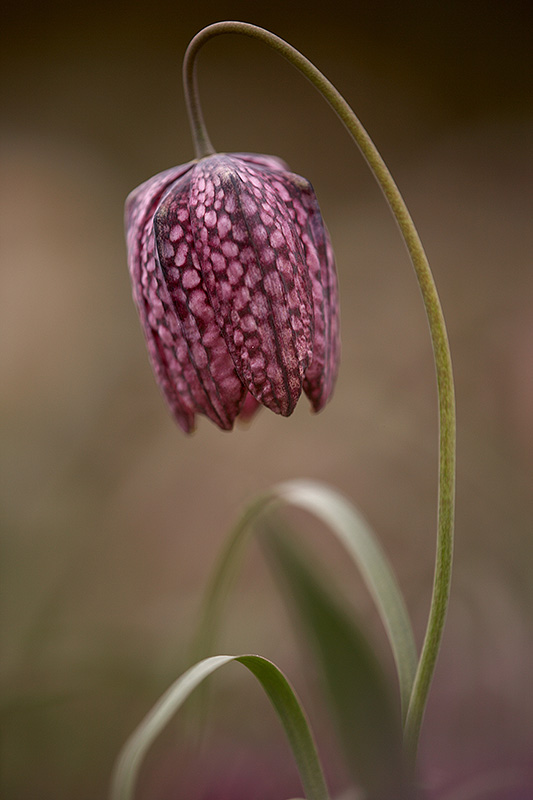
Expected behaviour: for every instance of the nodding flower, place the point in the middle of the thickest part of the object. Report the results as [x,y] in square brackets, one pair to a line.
[234,279]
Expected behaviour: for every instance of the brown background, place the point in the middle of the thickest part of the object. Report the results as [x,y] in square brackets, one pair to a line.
[112,518]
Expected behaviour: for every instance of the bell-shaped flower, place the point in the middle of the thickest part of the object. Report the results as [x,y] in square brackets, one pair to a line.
[234,280]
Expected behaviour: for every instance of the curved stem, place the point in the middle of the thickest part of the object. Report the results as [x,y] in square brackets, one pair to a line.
[437,327]
[200,137]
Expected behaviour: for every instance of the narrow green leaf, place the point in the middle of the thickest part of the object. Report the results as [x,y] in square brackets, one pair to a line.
[361,544]
[365,711]
[281,696]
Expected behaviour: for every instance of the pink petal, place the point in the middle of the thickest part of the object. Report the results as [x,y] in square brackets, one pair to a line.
[249,408]
[322,371]
[140,207]
[204,361]
[252,261]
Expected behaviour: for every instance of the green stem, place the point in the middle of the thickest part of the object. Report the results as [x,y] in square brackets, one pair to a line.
[437,327]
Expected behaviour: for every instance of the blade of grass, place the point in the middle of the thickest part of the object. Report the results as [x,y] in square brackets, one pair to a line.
[366,713]
[361,544]
[281,695]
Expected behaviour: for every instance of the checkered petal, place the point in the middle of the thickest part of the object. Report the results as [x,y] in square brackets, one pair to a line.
[253,265]
[321,374]
[234,280]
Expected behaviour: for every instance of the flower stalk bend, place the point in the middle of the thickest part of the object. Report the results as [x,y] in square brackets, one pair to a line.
[437,327]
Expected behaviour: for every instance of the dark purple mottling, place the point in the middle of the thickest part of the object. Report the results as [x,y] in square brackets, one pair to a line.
[234,280]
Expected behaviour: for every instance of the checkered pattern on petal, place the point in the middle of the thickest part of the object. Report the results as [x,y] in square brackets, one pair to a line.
[234,280]
[147,287]
[203,356]
[322,372]
[253,264]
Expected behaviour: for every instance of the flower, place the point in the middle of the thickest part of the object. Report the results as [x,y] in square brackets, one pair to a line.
[234,279]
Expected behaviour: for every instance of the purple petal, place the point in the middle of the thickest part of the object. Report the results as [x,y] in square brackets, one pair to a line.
[204,360]
[141,204]
[164,339]
[140,207]
[253,264]
[272,163]
[322,372]
[249,408]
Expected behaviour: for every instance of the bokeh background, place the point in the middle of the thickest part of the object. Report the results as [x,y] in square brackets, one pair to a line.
[111,518]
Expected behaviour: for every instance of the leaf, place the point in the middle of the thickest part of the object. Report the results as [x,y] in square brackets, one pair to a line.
[367,715]
[361,544]
[281,696]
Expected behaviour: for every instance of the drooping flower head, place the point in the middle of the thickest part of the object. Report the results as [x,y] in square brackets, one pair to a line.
[234,280]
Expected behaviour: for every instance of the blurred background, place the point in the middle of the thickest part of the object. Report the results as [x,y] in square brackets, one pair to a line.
[112,518]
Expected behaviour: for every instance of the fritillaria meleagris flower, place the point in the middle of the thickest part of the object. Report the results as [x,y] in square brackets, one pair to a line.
[234,280]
